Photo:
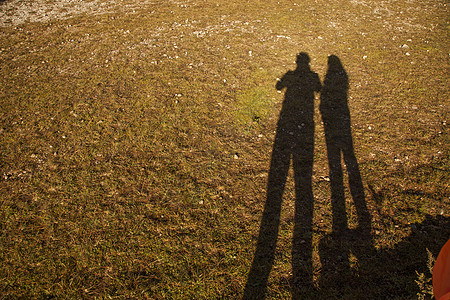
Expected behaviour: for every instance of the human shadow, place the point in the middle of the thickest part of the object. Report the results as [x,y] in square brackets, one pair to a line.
[343,247]
[338,137]
[294,140]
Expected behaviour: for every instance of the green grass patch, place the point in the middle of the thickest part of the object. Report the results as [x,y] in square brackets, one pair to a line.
[254,106]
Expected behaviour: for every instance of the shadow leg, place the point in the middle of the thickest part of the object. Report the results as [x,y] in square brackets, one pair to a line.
[337,187]
[267,239]
[304,206]
[357,189]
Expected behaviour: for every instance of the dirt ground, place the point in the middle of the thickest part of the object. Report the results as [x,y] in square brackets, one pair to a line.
[17,12]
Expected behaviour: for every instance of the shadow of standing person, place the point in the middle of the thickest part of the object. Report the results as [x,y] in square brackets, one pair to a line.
[294,140]
[336,249]
[338,136]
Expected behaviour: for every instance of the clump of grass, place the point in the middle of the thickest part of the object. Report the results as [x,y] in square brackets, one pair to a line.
[256,103]
[424,281]
[253,106]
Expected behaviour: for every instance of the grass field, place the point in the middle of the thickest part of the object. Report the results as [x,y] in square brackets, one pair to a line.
[136,141]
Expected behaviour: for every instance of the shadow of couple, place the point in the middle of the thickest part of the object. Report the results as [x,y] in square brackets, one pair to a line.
[294,140]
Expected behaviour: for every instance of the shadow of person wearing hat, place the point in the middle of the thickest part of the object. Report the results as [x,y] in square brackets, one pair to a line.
[294,140]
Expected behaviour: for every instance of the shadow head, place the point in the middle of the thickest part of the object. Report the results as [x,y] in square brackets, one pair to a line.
[334,62]
[303,59]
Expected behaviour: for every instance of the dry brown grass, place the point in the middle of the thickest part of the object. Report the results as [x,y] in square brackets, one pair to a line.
[134,147]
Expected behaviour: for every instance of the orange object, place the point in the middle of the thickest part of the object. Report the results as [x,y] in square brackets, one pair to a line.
[441,274]
[445,297]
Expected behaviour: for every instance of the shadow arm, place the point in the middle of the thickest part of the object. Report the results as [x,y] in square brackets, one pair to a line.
[283,82]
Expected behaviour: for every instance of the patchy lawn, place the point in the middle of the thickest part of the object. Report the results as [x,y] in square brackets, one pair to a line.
[136,140]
